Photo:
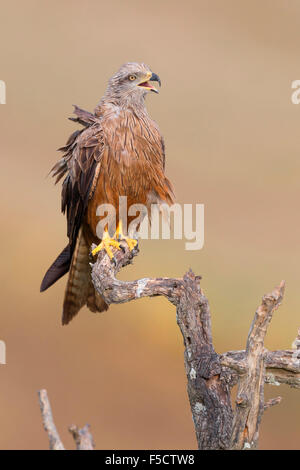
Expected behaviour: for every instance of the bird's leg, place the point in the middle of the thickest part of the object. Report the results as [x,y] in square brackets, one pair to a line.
[131,242]
[106,243]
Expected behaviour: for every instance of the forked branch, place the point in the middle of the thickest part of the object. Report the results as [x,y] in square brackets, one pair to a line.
[82,437]
[211,376]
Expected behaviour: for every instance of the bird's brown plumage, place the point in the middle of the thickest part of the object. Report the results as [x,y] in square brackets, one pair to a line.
[118,152]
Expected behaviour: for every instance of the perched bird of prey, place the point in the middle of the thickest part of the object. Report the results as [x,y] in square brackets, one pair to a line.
[118,152]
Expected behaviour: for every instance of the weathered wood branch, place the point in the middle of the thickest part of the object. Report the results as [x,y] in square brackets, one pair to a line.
[82,437]
[49,426]
[210,376]
[282,367]
[208,391]
[250,397]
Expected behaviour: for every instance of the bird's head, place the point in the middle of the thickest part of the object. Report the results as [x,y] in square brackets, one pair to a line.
[131,83]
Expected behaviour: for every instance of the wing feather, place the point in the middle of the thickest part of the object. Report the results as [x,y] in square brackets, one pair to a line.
[80,168]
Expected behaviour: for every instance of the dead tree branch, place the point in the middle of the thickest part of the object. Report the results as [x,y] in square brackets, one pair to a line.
[211,376]
[250,397]
[82,437]
[49,426]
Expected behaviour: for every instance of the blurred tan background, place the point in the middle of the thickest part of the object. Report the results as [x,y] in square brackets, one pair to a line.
[233,143]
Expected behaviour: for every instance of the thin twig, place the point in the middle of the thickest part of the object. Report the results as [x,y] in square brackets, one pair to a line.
[82,437]
[272,402]
[49,426]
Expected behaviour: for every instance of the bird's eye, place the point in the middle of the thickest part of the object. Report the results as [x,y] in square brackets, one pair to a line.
[132,77]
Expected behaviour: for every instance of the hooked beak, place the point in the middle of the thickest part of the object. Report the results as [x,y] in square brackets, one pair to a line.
[152,77]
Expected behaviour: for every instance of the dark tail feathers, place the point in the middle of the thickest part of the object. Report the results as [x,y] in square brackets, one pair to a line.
[57,269]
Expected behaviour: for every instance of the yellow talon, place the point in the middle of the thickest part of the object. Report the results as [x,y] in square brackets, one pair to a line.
[131,242]
[108,242]
[105,244]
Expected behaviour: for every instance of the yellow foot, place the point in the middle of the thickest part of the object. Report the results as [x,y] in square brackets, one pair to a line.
[106,243]
[131,242]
